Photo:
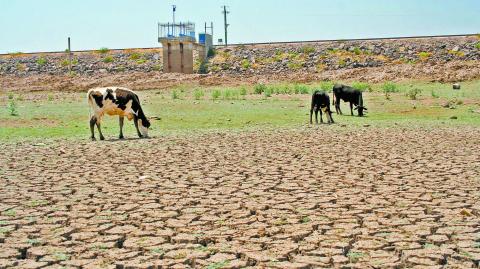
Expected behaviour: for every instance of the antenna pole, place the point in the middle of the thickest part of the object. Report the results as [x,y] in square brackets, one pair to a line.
[225,12]
[174,7]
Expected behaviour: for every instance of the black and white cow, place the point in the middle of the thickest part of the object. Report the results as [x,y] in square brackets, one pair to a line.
[116,101]
[320,102]
[348,94]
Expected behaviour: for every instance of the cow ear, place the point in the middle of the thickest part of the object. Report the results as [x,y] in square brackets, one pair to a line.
[365,108]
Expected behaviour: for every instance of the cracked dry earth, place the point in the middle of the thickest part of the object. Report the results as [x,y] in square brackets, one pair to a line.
[322,197]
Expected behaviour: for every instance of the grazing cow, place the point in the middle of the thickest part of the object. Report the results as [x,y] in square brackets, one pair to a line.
[116,101]
[348,94]
[320,102]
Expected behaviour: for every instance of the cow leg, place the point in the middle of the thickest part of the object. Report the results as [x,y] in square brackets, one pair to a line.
[351,108]
[311,112]
[120,120]
[93,120]
[321,115]
[316,115]
[99,130]
[337,106]
[135,121]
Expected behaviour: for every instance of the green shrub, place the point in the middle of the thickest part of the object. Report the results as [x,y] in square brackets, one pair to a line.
[342,63]
[211,52]
[12,108]
[308,49]
[357,51]
[198,94]
[243,91]
[362,86]
[175,95]
[203,67]
[50,97]
[246,64]
[108,59]
[259,88]
[216,94]
[389,87]
[424,55]
[227,94]
[142,61]
[10,96]
[477,45]
[327,86]
[412,93]
[135,56]
[41,61]
[435,94]
[300,89]
[295,65]
[66,62]
[267,92]
[103,50]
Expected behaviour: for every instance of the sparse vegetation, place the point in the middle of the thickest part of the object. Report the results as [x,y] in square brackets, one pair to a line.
[135,56]
[354,256]
[246,64]
[41,61]
[423,56]
[108,59]
[175,95]
[216,94]
[301,89]
[211,53]
[218,265]
[435,94]
[243,91]
[307,49]
[259,88]
[103,50]
[66,62]
[477,45]
[389,87]
[412,93]
[198,94]
[363,86]
[357,51]
[12,108]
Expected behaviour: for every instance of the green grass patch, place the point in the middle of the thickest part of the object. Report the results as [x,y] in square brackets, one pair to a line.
[108,59]
[103,50]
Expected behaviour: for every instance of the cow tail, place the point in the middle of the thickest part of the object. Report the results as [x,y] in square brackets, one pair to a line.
[90,103]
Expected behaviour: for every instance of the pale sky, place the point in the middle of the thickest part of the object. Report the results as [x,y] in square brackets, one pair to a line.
[44,25]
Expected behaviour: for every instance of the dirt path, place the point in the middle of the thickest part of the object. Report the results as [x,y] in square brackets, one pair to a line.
[292,199]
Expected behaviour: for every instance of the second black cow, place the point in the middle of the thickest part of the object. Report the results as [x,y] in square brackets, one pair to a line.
[320,102]
[348,94]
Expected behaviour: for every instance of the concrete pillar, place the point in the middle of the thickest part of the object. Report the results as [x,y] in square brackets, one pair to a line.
[177,56]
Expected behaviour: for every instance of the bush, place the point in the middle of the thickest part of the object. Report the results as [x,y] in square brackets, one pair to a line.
[66,62]
[477,45]
[389,87]
[141,61]
[198,94]
[10,96]
[243,91]
[108,59]
[259,88]
[246,64]
[362,86]
[300,89]
[327,86]
[308,49]
[135,56]
[216,94]
[103,50]
[357,51]
[295,65]
[175,95]
[41,61]
[424,55]
[211,52]
[267,92]
[12,108]
[412,93]
[203,67]
[435,94]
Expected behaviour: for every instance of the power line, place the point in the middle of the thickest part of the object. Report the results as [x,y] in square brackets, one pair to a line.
[225,12]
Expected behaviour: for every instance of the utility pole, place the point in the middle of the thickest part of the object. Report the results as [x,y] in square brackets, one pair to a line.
[225,12]
[69,56]
[174,7]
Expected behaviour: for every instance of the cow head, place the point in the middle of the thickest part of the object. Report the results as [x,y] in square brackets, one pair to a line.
[360,110]
[143,126]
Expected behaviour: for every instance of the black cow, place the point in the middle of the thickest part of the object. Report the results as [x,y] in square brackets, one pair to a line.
[320,102]
[348,94]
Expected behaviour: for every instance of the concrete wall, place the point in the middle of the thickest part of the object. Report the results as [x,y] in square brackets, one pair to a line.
[177,56]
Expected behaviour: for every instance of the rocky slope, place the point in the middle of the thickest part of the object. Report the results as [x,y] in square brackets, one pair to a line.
[435,59]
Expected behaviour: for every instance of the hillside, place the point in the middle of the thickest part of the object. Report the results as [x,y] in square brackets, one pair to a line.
[445,59]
